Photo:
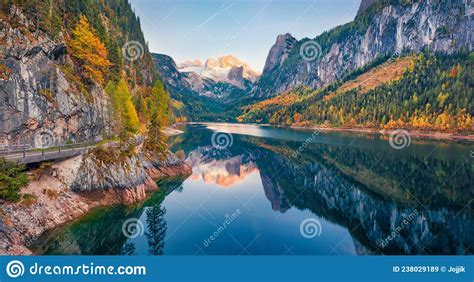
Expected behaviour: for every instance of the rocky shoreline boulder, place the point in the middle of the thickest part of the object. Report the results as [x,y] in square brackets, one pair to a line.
[98,178]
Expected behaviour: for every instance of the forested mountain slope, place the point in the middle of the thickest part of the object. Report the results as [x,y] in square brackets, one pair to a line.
[382,27]
[424,91]
[200,98]
[56,59]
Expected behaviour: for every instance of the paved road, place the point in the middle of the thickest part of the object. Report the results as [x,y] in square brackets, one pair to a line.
[34,156]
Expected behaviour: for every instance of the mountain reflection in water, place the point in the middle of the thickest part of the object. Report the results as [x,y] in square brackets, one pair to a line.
[367,197]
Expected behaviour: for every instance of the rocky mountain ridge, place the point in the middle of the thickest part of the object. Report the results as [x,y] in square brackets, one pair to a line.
[380,28]
[218,80]
[225,69]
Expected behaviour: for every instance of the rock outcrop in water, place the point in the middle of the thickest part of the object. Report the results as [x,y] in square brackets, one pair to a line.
[44,91]
[73,187]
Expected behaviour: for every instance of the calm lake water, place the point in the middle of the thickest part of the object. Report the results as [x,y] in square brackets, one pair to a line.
[261,190]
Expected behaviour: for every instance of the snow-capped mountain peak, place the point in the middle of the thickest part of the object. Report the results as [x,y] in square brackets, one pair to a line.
[228,69]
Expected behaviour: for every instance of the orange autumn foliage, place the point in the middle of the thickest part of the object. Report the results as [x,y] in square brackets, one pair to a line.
[86,47]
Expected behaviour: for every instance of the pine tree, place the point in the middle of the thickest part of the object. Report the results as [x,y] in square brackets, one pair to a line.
[155,142]
[129,114]
[160,100]
[12,179]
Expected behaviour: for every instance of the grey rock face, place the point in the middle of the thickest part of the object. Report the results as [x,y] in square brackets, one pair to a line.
[444,26]
[95,175]
[36,95]
[236,75]
[279,51]
[189,86]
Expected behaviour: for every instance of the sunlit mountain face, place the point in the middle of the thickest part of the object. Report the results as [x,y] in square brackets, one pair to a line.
[224,173]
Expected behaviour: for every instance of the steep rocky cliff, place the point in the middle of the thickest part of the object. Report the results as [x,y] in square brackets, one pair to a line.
[36,93]
[279,51]
[383,28]
[42,86]
[48,97]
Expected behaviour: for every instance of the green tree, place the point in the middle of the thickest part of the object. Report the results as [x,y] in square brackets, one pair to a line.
[158,115]
[155,141]
[159,102]
[12,179]
[125,116]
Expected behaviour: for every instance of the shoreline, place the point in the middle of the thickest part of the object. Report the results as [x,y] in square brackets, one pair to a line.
[432,135]
[170,131]
[57,203]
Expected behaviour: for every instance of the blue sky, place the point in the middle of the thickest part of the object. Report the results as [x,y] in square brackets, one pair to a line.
[201,29]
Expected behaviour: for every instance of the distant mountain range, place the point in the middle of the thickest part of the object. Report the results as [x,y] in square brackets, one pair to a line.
[207,90]
[382,31]
[227,69]
[219,78]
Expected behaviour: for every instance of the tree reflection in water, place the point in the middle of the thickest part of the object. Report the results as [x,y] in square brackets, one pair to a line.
[359,183]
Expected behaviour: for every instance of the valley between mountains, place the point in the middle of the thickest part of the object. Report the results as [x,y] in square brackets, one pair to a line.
[398,64]
[91,118]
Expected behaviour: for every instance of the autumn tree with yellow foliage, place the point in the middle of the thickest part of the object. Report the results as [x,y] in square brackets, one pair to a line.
[89,51]
[125,117]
